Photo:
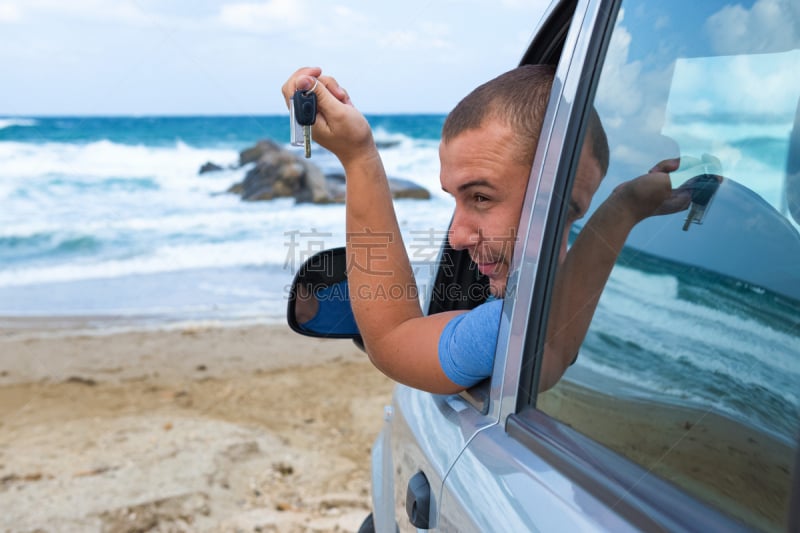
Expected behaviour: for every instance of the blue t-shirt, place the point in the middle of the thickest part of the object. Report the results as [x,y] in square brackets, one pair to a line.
[468,343]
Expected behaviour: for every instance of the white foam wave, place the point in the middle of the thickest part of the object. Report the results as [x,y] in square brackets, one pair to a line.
[211,221]
[164,259]
[137,200]
[663,389]
[170,164]
[175,167]
[418,162]
[383,136]
[713,341]
[636,296]
[283,250]
[23,122]
[651,387]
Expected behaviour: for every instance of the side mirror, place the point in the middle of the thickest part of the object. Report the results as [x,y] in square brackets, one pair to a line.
[319,300]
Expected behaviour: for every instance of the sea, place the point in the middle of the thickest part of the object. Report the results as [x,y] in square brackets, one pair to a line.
[110,217]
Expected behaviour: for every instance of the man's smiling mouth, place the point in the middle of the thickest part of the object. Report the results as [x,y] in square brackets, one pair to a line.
[487,269]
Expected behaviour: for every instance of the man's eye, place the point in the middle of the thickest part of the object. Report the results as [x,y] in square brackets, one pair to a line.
[573,214]
[479,198]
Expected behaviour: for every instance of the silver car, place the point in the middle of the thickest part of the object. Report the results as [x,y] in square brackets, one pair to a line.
[682,409]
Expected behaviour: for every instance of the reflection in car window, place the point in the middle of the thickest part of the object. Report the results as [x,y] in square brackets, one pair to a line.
[691,365]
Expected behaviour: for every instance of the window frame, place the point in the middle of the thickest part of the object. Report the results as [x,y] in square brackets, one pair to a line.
[553,171]
[599,28]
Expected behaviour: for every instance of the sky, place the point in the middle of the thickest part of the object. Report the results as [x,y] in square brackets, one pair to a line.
[189,57]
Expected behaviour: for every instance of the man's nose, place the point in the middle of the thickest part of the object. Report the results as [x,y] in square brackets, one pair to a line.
[462,235]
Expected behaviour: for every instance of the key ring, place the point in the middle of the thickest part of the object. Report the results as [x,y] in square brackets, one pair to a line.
[311,90]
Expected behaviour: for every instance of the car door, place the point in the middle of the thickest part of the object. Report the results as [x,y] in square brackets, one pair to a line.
[682,409]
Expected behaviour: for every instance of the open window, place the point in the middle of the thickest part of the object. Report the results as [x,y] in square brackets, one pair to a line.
[458,285]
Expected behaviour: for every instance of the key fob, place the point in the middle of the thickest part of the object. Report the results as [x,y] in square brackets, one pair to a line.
[703,190]
[305,108]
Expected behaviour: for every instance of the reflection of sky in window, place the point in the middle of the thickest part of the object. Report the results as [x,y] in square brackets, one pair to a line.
[747,86]
[740,109]
[721,82]
[677,34]
[717,27]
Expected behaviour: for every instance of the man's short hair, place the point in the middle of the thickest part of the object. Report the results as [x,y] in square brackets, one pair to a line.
[519,99]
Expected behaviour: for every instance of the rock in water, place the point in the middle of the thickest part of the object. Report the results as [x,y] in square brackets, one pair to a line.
[279,173]
[209,167]
[255,152]
[402,188]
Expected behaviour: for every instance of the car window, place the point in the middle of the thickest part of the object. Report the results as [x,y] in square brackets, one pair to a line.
[690,366]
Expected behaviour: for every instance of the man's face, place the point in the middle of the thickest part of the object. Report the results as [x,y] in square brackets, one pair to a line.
[587,180]
[482,171]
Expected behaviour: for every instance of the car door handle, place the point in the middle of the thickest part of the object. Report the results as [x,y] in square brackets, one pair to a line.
[418,501]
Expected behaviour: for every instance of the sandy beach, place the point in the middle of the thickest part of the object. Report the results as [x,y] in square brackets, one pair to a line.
[206,428]
[191,428]
[687,446]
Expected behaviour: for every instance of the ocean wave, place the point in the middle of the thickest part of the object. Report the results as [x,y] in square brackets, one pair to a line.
[40,252]
[19,122]
[214,221]
[25,165]
[697,351]
[733,395]
[106,158]
[163,259]
[418,162]
[385,139]
[653,301]
[122,204]
[49,244]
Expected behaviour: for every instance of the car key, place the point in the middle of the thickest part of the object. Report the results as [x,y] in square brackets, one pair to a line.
[304,113]
[703,190]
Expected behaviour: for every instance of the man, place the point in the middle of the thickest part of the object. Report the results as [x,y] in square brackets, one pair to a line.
[487,148]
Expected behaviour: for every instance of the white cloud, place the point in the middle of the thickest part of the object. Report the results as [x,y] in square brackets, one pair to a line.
[126,11]
[767,82]
[769,26]
[426,36]
[348,15]
[10,13]
[631,101]
[261,16]
[539,5]
[514,3]
[401,39]
[620,85]
[763,81]
[661,22]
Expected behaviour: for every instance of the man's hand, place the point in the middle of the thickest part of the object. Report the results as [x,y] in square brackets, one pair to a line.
[652,194]
[340,127]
